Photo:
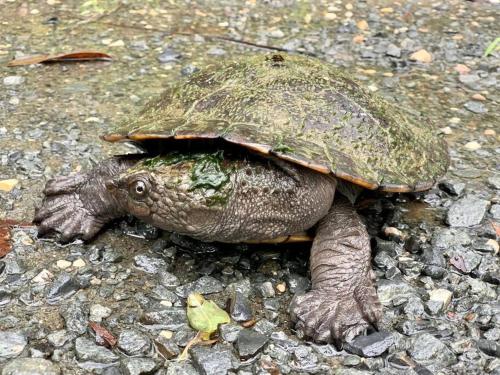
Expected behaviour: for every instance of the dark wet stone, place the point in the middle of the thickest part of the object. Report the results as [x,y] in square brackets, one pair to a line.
[5,297]
[229,332]
[63,287]
[87,350]
[171,318]
[133,342]
[204,285]
[467,211]
[214,360]
[434,262]
[372,345]
[430,351]
[2,267]
[149,264]
[184,335]
[31,366]
[475,107]
[266,289]
[138,366]
[12,343]
[297,283]
[489,347]
[169,55]
[241,310]
[384,261]
[76,317]
[393,50]
[452,187]
[167,347]
[250,343]
[181,368]
[492,278]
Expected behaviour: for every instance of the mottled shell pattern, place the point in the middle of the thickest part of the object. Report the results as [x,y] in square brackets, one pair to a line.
[302,110]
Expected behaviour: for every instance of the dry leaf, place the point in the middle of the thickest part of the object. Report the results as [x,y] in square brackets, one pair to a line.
[64,57]
[5,227]
[102,335]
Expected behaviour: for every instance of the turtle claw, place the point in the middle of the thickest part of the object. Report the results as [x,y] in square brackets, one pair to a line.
[327,318]
[64,211]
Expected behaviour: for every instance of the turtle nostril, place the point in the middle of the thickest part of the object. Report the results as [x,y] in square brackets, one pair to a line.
[111,185]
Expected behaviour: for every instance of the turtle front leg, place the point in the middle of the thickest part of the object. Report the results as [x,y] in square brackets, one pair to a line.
[343,300]
[78,206]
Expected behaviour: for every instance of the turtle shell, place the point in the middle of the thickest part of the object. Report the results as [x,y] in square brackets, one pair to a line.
[302,110]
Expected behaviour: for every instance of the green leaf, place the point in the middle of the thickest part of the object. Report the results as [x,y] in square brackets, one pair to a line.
[204,315]
[492,47]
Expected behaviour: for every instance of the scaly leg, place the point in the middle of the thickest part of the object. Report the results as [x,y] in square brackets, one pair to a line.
[343,300]
[80,205]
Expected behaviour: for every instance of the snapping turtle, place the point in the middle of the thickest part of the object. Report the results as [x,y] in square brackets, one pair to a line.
[255,150]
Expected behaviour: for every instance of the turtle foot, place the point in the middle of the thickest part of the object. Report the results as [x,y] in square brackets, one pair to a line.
[326,316]
[63,210]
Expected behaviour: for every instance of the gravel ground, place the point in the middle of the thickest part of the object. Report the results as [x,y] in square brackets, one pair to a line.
[436,255]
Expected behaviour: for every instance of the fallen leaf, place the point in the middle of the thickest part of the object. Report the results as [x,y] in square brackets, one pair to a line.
[421,56]
[102,335]
[5,228]
[64,57]
[458,262]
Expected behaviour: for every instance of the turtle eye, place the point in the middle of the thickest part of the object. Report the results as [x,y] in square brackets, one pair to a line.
[138,189]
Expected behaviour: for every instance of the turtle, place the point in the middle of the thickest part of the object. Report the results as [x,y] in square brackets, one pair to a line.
[262,147]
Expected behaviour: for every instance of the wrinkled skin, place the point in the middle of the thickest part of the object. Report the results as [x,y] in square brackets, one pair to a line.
[234,200]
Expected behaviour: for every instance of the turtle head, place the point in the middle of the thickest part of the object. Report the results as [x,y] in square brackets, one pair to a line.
[171,196]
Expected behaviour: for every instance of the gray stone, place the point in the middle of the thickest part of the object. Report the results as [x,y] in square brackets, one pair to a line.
[13,80]
[166,347]
[171,318]
[149,264]
[87,350]
[63,287]
[214,51]
[298,283]
[241,310]
[138,366]
[495,211]
[181,368]
[489,347]
[215,360]
[250,343]
[229,332]
[393,50]
[430,351]
[266,289]
[467,211]
[452,187]
[372,345]
[494,181]
[389,290]
[434,262]
[76,317]
[475,107]
[133,342]
[168,279]
[168,55]
[58,338]
[204,285]
[31,366]
[12,343]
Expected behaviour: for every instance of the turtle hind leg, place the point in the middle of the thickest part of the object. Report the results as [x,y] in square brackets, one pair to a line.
[78,206]
[343,301]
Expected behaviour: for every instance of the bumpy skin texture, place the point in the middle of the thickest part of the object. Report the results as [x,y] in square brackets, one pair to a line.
[233,200]
[78,206]
[342,301]
[302,109]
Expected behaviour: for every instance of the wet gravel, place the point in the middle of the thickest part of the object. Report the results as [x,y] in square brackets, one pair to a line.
[435,254]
